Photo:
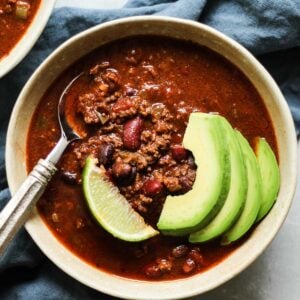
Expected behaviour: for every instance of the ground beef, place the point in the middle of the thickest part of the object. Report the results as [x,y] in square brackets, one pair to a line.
[88,105]
[109,77]
[137,134]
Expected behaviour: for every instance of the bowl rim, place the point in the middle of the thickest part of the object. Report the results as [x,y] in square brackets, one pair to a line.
[166,285]
[28,39]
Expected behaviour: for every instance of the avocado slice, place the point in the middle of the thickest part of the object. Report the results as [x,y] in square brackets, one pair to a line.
[186,213]
[254,195]
[270,176]
[236,197]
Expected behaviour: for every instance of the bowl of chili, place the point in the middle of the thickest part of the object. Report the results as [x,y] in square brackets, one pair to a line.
[21,23]
[178,66]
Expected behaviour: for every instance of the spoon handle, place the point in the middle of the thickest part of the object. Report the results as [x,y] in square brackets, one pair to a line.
[18,209]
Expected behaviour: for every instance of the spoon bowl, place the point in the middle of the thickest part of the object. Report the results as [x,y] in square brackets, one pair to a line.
[15,213]
[68,134]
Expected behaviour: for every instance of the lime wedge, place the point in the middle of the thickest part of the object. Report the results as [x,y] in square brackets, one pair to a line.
[111,209]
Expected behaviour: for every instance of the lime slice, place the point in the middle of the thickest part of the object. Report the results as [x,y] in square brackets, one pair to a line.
[111,209]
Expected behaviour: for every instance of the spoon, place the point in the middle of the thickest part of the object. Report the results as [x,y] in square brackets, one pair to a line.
[18,209]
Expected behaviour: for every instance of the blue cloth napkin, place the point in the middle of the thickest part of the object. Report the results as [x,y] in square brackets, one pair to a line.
[269,29]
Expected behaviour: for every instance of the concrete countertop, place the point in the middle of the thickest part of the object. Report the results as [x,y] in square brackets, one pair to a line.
[275,275]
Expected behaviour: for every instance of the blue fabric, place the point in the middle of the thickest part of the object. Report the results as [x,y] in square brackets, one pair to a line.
[269,29]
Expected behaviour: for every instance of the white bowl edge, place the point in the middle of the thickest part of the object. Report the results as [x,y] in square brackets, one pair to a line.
[27,41]
[219,274]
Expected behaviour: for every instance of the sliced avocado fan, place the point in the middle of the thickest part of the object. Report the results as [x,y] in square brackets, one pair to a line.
[254,195]
[183,214]
[270,176]
[236,197]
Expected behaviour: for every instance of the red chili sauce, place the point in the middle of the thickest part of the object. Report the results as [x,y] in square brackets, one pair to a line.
[15,18]
[122,80]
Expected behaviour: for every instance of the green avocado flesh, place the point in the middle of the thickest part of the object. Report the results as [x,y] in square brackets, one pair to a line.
[270,176]
[234,188]
[254,195]
[236,197]
[186,213]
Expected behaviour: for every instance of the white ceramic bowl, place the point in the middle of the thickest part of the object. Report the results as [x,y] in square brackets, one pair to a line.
[88,40]
[29,38]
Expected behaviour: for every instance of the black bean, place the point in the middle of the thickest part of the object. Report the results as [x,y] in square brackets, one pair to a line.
[191,162]
[196,255]
[123,173]
[105,153]
[180,251]
[121,170]
[186,184]
[69,177]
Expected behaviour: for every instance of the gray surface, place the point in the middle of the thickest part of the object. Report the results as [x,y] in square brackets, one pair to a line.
[276,273]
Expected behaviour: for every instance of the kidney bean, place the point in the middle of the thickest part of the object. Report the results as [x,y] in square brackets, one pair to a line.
[123,173]
[153,271]
[180,251]
[179,153]
[152,187]
[188,266]
[105,153]
[131,133]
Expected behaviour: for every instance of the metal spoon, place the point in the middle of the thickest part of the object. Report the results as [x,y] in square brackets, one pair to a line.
[18,209]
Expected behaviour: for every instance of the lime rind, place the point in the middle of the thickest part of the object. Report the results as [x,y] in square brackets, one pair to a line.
[111,209]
